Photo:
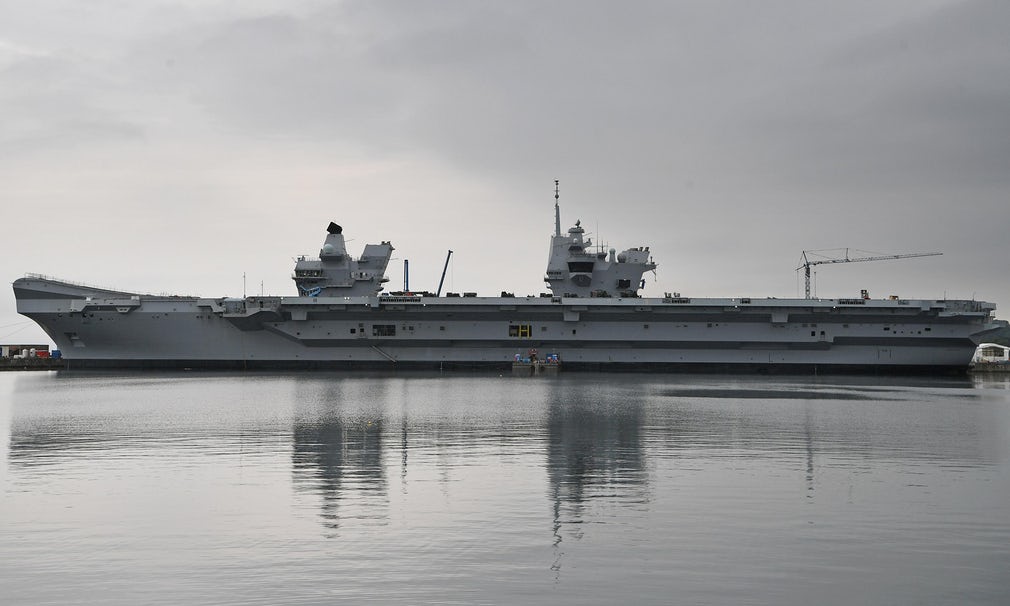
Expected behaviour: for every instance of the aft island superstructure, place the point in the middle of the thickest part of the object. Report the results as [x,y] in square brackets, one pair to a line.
[593,318]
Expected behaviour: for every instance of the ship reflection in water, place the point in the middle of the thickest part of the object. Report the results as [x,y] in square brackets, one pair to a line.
[594,451]
[342,445]
[336,453]
[449,486]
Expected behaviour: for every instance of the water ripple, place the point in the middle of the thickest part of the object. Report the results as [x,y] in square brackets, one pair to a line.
[412,488]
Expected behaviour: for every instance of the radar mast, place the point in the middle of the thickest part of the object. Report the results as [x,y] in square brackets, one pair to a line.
[557,210]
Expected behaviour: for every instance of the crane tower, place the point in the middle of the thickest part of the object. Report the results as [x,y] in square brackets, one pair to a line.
[806,264]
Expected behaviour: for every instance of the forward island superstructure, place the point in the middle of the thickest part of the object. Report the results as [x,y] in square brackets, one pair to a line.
[593,318]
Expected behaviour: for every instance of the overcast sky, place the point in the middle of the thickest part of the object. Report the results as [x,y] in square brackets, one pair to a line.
[173,146]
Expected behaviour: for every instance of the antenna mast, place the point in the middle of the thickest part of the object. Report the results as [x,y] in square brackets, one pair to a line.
[557,209]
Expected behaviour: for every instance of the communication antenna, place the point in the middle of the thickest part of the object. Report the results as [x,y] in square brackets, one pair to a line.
[557,209]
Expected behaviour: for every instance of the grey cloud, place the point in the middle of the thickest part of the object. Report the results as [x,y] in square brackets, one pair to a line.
[47,104]
[276,75]
[921,105]
[726,135]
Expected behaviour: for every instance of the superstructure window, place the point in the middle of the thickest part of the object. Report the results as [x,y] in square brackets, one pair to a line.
[580,267]
[521,331]
[383,330]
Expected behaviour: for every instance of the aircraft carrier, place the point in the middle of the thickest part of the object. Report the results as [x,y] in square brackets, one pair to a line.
[593,319]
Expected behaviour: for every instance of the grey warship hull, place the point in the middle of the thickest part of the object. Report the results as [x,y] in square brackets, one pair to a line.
[593,318]
[107,328]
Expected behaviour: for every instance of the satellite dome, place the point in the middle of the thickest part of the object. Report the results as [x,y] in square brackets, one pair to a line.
[328,249]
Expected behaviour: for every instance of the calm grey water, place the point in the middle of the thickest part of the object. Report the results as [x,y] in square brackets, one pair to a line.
[319,488]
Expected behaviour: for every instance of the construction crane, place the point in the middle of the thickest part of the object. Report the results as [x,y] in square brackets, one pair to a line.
[807,263]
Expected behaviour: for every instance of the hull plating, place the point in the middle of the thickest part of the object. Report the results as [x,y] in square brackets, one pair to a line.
[110,329]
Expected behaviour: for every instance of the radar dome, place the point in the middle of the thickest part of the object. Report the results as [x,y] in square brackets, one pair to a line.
[328,249]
